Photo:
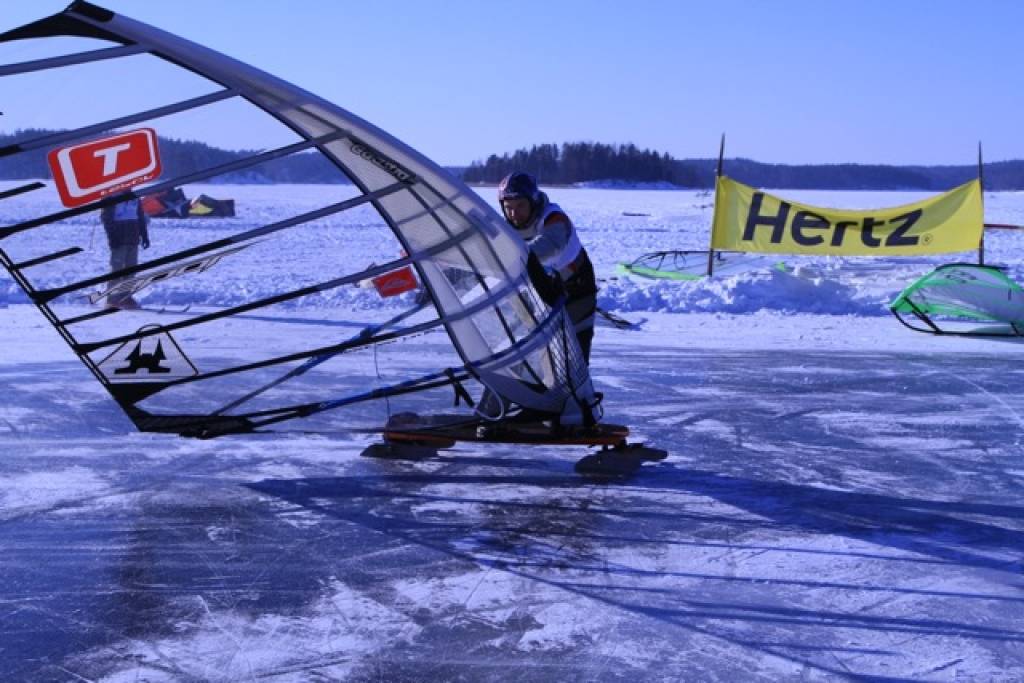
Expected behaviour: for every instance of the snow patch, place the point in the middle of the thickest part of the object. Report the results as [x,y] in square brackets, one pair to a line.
[340,630]
[768,290]
[34,490]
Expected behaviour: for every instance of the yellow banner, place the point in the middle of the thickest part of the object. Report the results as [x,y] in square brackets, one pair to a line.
[747,219]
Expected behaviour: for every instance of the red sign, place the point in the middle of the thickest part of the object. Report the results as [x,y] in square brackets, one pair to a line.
[90,170]
[395,282]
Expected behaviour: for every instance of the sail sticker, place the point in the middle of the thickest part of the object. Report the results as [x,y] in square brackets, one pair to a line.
[90,170]
[364,151]
[132,285]
[396,282]
[157,358]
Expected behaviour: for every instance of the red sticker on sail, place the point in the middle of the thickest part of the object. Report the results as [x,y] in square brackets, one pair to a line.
[90,170]
[396,282]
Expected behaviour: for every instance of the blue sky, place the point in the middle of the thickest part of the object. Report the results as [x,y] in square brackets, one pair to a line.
[900,82]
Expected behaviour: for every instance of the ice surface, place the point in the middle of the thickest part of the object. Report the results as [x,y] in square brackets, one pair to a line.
[841,500]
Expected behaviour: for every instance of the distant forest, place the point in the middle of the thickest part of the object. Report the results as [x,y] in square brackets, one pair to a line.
[576,162]
[584,162]
[563,165]
[999,175]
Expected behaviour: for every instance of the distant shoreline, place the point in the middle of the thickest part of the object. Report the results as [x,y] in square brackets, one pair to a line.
[7,183]
[183,157]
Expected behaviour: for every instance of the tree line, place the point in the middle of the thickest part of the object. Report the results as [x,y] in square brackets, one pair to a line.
[571,162]
[999,175]
[582,162]
[575,162]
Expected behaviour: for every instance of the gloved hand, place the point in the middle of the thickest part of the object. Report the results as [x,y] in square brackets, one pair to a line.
[145,243]
[549,287]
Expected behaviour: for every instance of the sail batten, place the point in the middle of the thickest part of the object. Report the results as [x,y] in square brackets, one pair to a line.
[85,131]
[70,60]
[23,189]
[248,236]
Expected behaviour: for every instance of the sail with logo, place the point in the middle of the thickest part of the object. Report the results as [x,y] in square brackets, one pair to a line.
[449,273]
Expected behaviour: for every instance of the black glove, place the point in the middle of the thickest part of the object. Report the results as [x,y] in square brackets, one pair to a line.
[549,287]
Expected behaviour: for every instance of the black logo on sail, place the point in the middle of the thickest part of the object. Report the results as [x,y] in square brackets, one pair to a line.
[150,362]
[155,358]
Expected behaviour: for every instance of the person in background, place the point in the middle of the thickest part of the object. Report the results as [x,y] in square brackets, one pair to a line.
[553,240]
[126,226]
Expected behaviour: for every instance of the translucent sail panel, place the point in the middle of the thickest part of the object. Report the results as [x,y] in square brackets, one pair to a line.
[68,259]
[348,366]
[208,134]
[383,212]
[35,50]
[544,370]
[81,95]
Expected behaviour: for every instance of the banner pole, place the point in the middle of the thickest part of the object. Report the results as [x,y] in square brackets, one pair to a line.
[721,156]
[718,174]
[981,183]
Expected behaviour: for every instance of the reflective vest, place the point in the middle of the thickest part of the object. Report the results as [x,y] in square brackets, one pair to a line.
[570,255]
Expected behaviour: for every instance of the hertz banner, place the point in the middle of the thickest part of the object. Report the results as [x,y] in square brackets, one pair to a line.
[747,219]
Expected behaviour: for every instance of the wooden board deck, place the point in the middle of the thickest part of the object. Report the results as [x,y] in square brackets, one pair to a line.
[445,435]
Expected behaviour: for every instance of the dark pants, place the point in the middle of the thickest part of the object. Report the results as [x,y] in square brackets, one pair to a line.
[122,257]
[581,312]
[581,306]
[586,339]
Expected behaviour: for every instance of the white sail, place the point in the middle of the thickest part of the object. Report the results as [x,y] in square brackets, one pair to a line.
[469,262]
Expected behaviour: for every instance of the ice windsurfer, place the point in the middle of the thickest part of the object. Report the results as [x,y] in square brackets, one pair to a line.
[553,240]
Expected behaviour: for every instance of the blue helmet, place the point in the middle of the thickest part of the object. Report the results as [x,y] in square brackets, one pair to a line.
[519,184]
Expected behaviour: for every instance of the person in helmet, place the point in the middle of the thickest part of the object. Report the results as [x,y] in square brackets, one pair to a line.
[553,239]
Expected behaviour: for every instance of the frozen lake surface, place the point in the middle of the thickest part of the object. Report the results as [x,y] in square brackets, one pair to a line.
[841,501]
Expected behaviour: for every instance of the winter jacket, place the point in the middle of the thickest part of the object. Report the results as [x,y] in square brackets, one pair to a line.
[552,237]
[125,224]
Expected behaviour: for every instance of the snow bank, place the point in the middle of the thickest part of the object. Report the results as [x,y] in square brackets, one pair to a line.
[769,290]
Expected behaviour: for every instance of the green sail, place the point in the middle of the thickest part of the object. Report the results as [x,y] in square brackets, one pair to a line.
[693,265]
[963,292]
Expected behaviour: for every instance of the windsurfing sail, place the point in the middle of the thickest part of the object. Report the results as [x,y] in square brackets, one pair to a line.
[693,265]
[224,341]
[167,204]
[174,204]
[957,297]
[208,207]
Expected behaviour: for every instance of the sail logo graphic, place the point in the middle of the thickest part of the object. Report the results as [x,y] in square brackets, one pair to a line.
[131,285]
[90,170]
[156,358]
[150,362]
[373,156]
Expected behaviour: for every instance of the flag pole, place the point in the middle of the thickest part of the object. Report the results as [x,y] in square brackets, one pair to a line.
[981,183]
[718,174]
